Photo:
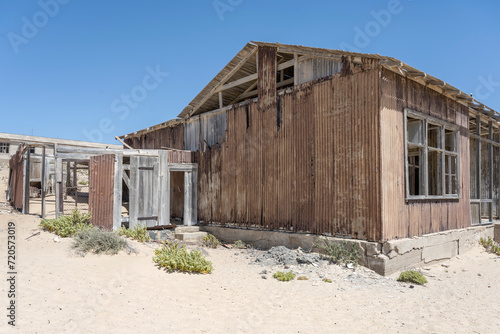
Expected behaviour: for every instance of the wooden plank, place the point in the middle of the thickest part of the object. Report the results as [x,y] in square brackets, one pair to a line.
[134,191]
[117,191]
[43,182]
[26,183]
[164,190]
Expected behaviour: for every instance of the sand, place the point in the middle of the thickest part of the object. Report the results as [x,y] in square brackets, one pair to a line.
[61,292]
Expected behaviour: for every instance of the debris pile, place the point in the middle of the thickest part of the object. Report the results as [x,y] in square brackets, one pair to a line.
[281,255]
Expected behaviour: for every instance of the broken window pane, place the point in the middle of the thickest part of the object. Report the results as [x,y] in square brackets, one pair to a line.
[415,171]
[414,132]
[434,135]
[435,171]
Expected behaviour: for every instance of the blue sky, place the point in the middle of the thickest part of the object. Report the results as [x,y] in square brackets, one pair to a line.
[66,65]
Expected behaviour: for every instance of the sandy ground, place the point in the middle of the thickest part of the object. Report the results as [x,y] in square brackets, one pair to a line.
[61,292]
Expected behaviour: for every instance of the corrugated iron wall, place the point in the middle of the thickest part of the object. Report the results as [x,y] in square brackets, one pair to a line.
[16,164]
[169,137]
[309,161]
[101,190]
[402,219]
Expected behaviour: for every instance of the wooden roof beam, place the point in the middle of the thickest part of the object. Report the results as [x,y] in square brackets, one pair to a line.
[224,80]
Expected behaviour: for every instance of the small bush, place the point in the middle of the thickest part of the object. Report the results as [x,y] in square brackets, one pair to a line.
[67,226]
[211,241]
[339,252]
[284,277]
[491,246]
[327,280]
[175,257]
[240,244]
[302,278]
[83,183]
[98,241]
[412,276]
[139,233]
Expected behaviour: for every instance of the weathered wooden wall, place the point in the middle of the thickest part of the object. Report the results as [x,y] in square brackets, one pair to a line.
[417,217]
[16,165]
[171,137]
[304,161]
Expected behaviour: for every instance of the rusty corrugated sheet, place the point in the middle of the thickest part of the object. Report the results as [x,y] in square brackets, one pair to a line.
[16,164]
[168,137]
[101,190]
[318,172]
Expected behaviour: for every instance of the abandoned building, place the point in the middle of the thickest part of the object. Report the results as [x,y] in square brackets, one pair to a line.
[307,140]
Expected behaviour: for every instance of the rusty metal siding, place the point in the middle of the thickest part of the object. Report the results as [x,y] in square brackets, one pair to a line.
[403,219]
[169,137]
[16,164]
[318,172]
[101,190]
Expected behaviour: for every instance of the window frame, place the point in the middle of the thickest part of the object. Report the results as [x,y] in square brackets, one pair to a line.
[426,119]
[6,146]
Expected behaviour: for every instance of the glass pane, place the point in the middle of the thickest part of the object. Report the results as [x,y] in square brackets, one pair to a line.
[435,172]
[414,132]
[451,186]
[415,171]
[449,140]
[434,136]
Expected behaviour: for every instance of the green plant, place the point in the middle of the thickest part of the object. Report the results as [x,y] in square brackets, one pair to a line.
[412,276]
[139,233]
[284,277]
[211,241]
[69,225]
[174,257]
[302,278]
[83,183]
[339,252]
[240,244]
[327,280]
[490,245]
[98,241]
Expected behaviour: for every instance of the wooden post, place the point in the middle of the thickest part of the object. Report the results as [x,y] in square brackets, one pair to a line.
[295,69]
[75,184]
[478,166]
[27,172]
[187,199]
[194,198]
[134,191]
[43,182]
[117,197]
[164,195]
[490,169]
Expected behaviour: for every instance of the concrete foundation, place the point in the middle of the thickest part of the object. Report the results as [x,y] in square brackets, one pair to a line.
[385,258]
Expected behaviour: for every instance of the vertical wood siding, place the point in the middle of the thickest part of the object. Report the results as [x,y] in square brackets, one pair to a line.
[402,219]
[171,137]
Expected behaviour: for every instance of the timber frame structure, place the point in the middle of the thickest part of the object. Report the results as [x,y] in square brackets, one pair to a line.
[364,146]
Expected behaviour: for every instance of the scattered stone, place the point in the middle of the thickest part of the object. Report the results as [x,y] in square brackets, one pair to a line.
[411,286]
[264,277]
[263,272]
[56,239]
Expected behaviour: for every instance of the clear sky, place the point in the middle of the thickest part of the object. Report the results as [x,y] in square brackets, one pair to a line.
[66,66]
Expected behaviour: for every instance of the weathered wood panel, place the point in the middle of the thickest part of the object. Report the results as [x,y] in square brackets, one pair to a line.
[101,190]
[400,218]
[16,165]
[314,169]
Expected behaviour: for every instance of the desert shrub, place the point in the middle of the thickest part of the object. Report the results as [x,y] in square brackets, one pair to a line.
[339,252]
[284,277]
[175,257]
[69,225]
[98,241]
[211,241]
[490,245]
[412,276]
[139,233]
[240,244]
[302,278]
[83,183]
[327,280]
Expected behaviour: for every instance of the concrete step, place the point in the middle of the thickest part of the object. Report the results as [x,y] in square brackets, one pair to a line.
[187,229]
[191,236]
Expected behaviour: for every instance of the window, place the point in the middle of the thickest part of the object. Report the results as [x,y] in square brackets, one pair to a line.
[4,147]
[432,157]
[32,150]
